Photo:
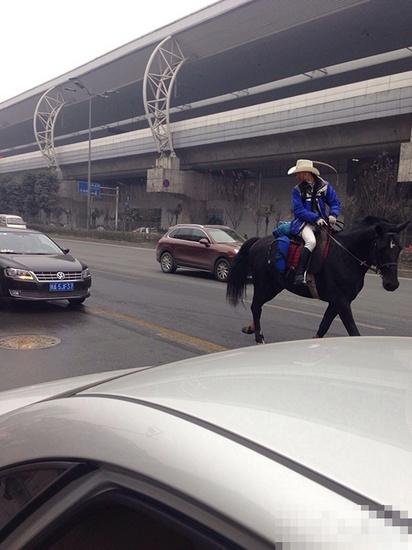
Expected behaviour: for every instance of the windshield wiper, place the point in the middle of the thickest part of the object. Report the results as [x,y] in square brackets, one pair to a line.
[10,252]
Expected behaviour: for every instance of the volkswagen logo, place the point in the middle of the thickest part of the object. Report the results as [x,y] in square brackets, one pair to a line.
[60,275]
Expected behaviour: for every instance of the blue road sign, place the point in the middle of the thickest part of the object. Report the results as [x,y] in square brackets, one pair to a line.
[94,188]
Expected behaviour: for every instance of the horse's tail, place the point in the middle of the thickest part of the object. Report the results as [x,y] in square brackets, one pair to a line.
[236,282]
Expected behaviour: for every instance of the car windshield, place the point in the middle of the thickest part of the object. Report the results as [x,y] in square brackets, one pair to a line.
[220,235]
[27,243]
[15,221]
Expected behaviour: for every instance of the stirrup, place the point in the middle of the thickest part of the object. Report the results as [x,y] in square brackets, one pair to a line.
[300,280]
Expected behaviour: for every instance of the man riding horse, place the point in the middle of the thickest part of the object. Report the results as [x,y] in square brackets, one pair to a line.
[309,199]
[373,243]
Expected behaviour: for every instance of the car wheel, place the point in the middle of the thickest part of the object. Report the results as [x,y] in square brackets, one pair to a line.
[167,263]
[76,301]
[222,267]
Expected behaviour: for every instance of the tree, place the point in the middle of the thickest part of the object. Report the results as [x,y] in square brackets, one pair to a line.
[30,194]
[10,195]
[234,189]
[46,192]
[377,192]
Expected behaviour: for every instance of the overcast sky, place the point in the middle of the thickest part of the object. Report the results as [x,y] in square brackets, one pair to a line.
[42,39]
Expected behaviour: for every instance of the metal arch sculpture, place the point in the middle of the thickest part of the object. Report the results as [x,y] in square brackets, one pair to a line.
[47,109]
[160,75]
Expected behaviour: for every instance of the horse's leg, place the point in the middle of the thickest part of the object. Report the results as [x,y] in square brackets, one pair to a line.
[328,317]
[256,308]
[346,315]
[258,300]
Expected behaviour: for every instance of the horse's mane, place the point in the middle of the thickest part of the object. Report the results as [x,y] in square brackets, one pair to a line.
[364,223]
[372,220]
[361,226]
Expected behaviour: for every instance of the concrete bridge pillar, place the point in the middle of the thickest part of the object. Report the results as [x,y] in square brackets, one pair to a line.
[405,161]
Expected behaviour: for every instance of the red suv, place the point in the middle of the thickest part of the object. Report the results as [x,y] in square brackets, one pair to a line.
[209,247]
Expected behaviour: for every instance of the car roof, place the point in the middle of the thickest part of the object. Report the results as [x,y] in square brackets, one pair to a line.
[16,230]
[195,225]
[12,215]
[341,407]
[296,441]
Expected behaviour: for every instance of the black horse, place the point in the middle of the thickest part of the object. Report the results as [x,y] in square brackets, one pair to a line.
[373,242]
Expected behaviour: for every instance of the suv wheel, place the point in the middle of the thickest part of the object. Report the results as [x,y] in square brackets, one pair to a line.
[222,267]
[167,263]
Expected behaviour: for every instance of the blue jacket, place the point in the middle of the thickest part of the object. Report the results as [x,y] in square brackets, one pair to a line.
[301,202]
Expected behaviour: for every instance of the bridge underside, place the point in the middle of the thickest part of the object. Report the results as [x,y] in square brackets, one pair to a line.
[341,141]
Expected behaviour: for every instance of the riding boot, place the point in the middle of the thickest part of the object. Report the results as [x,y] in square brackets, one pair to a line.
[302,265]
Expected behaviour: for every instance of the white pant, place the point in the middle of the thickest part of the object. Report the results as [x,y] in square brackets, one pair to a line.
[308,236]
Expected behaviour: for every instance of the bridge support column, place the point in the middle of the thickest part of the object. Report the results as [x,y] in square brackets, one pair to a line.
[167,177]
[405,161]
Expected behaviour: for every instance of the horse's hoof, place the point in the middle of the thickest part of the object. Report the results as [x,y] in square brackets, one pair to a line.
[248,330]
[260,339]
[317,336]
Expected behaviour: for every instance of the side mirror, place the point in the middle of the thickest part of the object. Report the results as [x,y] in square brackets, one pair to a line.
[204,241]
[66,250]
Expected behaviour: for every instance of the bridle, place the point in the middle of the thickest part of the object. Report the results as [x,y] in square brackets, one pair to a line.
[386,264]
[378,267]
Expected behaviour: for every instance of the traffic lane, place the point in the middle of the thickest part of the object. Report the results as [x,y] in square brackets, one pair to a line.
[202,311]
[194,303]
[375,309]
[89,343]
[138,316]
[140,263]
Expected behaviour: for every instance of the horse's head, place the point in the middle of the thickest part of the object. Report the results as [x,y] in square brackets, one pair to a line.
[386,250]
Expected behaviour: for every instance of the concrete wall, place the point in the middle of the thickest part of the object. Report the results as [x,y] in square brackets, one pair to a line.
[266,202]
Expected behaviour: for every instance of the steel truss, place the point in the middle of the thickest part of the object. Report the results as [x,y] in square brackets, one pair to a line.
[47,109]
[160,75]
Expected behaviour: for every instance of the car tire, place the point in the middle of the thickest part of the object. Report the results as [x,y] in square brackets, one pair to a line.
[167,263]
[221,271]
[75,302]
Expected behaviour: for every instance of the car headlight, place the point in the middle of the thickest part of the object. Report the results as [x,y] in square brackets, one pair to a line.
[86,273]
[236,250]
[19,274]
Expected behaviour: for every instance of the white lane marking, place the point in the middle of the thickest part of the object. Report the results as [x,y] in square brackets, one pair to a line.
[153,250]
[132,247]
[291,310]
[310,314]
[161,276]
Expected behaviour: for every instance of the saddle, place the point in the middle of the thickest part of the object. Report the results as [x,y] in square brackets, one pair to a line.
[284,253]
[318,256]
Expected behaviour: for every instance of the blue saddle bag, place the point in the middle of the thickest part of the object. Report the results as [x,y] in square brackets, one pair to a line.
[281,253]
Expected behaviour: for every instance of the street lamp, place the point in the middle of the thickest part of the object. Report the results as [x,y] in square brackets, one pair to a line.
[77,82]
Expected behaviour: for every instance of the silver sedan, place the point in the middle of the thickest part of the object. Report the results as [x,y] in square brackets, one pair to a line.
[294,445]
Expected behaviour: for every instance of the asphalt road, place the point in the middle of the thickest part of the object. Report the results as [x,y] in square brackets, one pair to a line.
[139,316]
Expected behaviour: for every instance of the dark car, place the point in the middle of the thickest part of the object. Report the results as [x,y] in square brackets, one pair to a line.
[209,247]
[33,267]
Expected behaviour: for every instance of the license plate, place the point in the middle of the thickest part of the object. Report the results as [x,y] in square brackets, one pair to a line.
[61,287]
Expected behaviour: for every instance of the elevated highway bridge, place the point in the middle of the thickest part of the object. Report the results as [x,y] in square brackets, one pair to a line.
[261,82]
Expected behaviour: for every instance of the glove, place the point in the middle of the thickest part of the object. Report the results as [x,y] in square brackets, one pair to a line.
[320,222]
[332,220]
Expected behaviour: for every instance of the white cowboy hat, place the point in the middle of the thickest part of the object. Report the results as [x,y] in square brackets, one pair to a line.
[303,165]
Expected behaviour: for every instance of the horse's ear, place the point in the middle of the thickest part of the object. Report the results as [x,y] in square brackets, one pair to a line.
[402,226]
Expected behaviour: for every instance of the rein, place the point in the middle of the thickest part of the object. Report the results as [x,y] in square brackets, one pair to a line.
[362,263]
